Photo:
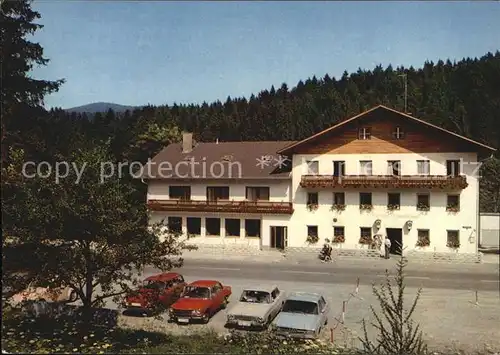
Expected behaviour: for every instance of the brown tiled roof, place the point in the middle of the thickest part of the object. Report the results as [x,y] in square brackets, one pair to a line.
[239,159]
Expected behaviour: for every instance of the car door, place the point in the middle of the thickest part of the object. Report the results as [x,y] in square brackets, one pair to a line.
[276,306]
[324,309]
[178,288]
[164,293]
[217,297]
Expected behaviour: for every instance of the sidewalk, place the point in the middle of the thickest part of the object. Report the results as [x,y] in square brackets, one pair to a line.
[490,262]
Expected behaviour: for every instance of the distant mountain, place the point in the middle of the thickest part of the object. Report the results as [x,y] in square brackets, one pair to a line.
[101,107]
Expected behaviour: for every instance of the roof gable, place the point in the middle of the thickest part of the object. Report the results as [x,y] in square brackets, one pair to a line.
[404,117]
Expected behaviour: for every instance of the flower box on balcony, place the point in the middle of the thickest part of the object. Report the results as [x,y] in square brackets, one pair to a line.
[423,242]
[393,207]
[338,207]
[423,207]
[338,239]
[312,239]
[453,244]
[312,207]
[366,207]
[452,208]
[365,240]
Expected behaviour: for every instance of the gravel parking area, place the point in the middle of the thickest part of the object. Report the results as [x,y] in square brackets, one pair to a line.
[447,317]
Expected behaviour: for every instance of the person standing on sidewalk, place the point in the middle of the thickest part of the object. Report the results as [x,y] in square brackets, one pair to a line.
[387,244]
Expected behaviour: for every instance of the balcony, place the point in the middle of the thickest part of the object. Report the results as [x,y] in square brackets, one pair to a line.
[381,181]
[263,207]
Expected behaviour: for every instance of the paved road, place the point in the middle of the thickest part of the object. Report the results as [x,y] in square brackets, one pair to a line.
[455,277]
[448,296]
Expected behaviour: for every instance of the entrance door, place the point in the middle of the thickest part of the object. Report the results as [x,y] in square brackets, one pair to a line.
[395,235]
[278,237]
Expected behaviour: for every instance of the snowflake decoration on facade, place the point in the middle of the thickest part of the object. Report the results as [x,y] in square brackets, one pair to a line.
[281,161]
[264,161]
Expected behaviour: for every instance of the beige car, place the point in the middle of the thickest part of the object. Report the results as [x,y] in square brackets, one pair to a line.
[32,293]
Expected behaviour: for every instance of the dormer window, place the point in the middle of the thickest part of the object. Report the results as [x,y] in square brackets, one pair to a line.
[398,133]
[364,133]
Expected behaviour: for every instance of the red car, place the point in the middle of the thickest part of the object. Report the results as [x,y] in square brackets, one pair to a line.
[158,292]
[200,301]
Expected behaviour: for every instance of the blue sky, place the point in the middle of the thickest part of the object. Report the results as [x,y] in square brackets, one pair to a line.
[135,53]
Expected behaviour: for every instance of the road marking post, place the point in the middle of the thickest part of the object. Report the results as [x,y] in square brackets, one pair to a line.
[344,306]
[476,302]
[356,292]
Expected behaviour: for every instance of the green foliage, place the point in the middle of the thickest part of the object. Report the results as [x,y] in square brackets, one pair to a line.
[396,332]
[19,91]
[85,231]
[70,334]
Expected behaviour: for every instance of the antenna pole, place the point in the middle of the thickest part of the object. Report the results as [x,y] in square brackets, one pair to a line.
[406,91]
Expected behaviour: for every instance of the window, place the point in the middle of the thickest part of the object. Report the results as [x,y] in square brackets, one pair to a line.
[423,202]
[312,198]
[217,288]
[312,167]
[215,193]
[175,224]
[365,236]
[452,167]
[365,167]
[338,231]
[257,193]
[312,231]
[423,238]
[394,167]
[338,168]
[232,227]
[393,200]
[338,198]
[212,226]
[423,167]
[321,304]
[398,133]
[364,133]
[453,203]
[193,225]
[275,293]
[453,239]
[252,228]
[365,198]
[365,232]
[179,192]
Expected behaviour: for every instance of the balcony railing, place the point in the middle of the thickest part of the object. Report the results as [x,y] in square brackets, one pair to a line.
[264,207]
[385,181]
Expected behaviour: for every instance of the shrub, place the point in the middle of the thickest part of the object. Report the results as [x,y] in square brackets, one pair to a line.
[397,333]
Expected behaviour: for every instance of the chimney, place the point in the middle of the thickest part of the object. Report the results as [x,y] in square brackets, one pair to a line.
[187,142]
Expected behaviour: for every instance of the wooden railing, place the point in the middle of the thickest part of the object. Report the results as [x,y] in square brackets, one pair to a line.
[388,181]
[264,207]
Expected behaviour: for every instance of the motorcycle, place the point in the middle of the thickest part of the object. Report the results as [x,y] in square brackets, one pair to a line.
[326,253]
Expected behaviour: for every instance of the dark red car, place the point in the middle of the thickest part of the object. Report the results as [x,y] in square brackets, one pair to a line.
[158,292]
[200,301]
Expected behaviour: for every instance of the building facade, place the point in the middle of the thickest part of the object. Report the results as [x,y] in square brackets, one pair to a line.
[380,173]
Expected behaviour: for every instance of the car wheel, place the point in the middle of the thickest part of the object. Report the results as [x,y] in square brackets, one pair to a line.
[206,318]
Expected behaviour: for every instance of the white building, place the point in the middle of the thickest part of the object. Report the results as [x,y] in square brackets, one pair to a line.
[381,172]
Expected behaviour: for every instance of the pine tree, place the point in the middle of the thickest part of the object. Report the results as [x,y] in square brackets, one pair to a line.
[18,56]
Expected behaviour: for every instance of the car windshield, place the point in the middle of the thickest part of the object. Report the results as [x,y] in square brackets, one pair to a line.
[196,292]
[294,306]
[255,297]
[154,285]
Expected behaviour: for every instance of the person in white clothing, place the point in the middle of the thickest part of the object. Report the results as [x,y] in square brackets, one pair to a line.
[387,244]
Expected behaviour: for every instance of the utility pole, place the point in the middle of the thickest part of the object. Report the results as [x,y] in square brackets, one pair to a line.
[406,91]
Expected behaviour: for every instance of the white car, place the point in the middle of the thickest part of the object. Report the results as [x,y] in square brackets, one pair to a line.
[257,307]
